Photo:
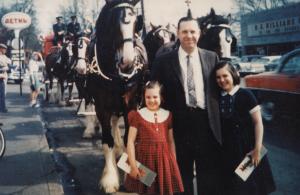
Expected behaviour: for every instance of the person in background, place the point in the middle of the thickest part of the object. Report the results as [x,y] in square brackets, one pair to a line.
[151,142]
[59,30]
[4,62]
[192,97]
[73,29]
[242,134]
[35,63]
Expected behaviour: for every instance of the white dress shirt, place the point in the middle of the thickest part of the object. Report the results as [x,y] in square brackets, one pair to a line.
[197,74]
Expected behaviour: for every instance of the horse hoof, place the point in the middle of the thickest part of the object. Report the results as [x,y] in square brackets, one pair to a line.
[88,135]
[62,103]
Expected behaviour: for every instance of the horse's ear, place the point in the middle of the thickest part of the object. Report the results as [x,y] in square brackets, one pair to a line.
[134,2]
[168,26]
[212,12]
[139,23]
[229,18]
[109,1]
[152,25]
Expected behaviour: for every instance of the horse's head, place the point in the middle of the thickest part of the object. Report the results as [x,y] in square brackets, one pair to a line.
[216,34]
[81,61]
[67,53]
[116,38]
[159,36]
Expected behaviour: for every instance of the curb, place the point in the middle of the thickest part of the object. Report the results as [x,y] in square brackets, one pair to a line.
[64,169]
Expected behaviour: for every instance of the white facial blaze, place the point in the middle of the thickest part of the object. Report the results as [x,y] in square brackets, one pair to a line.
[165,36]
[127,30]
[225,43]
[81,63]
[69,49]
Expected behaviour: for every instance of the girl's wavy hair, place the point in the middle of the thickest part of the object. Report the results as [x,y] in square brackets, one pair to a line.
[152,85]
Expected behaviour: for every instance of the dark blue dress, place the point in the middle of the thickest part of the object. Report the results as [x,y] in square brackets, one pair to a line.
[239,139]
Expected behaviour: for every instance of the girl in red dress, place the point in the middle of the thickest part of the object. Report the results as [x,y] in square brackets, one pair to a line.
[151,142]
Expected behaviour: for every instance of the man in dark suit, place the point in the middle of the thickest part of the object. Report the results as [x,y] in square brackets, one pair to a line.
[73,29]
[59,30]
[191,95]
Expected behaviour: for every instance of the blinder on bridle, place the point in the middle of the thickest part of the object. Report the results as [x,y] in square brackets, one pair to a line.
[229,34]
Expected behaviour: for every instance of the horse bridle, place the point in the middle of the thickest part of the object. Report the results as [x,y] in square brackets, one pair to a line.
[224,26]
[95,66]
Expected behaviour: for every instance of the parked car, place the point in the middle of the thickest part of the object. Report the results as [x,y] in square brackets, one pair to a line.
[272,65]
[258,65]
[235,60]
[278,91]
[243,65]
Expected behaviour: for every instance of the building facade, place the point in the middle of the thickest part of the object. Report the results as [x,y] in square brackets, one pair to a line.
[271,32]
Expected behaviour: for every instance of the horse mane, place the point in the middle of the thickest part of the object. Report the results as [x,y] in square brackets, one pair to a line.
[209,38]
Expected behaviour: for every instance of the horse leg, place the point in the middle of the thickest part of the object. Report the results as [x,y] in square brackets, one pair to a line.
[70,87]
[60,92]
[119,144]
[110,178]
[90,122]
[109,181]
[51,93]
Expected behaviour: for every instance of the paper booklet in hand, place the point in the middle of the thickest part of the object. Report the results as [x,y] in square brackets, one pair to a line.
[146,179]
[246,167]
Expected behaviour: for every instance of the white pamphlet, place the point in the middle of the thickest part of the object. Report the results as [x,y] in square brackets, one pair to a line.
[246,167]
[149,175]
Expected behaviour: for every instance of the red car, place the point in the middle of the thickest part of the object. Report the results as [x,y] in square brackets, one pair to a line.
[278,91]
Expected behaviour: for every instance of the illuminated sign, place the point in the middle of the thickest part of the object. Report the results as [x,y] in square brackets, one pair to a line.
[16,20]
[284,25]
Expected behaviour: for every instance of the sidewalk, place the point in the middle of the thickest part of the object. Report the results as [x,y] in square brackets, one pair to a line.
[27,166]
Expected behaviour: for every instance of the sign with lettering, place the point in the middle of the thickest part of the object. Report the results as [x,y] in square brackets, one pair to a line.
[16,20]
[17,55]
[283,25]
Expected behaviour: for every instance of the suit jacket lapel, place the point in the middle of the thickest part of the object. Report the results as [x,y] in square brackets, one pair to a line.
[204,68]
[175,65]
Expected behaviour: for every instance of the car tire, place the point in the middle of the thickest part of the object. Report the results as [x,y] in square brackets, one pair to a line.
[268,111]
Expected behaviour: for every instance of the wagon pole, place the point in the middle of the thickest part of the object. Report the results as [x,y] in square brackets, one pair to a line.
[144,18]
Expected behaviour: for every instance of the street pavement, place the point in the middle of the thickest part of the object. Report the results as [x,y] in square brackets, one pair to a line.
[27,166]
[68,164]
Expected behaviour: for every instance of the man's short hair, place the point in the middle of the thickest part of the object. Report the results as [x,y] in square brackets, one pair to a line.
[185,19]
[59,17]
[73,17]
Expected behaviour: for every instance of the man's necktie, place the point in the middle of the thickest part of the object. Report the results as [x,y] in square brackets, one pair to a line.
[191,83]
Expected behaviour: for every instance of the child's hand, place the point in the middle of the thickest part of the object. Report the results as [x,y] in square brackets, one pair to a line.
[135,173]
[255,156]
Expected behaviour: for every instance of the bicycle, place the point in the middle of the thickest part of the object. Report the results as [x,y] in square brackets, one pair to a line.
[2,142]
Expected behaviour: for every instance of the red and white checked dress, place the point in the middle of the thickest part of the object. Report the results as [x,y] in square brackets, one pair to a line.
[152,150]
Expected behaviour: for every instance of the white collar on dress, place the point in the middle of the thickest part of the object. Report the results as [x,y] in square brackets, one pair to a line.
[232,92]
[148,115]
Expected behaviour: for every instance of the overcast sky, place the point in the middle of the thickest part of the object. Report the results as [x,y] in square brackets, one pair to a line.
[156,11]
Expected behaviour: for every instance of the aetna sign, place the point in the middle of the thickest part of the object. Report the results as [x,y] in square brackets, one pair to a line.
[16,20]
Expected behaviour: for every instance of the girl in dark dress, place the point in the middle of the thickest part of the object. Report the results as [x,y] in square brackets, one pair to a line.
[242,134]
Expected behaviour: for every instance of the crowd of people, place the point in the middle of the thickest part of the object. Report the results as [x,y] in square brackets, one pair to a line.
[72,31]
